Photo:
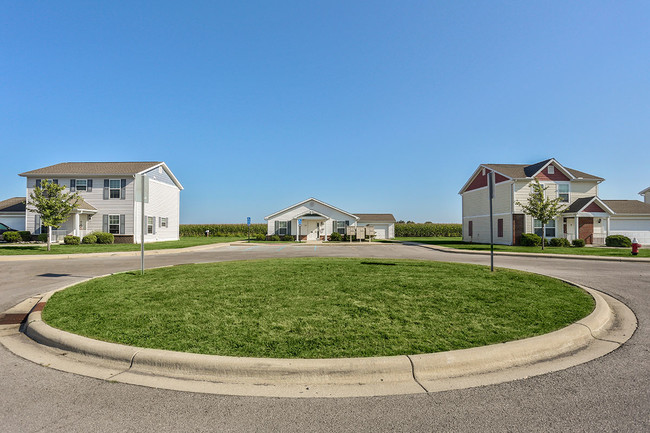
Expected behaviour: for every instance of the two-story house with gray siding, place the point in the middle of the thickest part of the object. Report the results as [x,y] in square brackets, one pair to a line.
[108,204]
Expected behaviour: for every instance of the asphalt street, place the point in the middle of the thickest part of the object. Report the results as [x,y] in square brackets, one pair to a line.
[611,393]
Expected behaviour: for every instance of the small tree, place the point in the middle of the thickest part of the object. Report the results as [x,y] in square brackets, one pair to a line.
[540,207]
[53,205]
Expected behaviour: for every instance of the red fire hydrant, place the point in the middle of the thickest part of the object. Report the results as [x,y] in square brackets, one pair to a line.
[635,247]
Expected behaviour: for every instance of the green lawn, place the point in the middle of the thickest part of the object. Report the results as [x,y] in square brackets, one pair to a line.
[456,242]
[184,242]
[317,307]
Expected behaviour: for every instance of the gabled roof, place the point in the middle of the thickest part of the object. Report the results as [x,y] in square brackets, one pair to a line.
[92,168]
[584,202]
[376,217]
[644,191]
[14,204]
[83,205]
[101,169]
[634,207]
[527,171]
[305,201]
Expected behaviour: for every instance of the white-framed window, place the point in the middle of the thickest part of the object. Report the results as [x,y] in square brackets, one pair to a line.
[550,228]
[114,188]
[114,224]
[81,184]
[164,222]
[551,169]
[149,225]
[340,227]
[563,192]
[283,228]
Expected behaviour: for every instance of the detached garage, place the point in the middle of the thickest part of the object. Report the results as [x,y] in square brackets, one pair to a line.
[383,223]
[12,213]
[631,218]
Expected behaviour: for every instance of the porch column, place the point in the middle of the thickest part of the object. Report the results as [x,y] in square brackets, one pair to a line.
[607,231]
[76,224]
[577,227]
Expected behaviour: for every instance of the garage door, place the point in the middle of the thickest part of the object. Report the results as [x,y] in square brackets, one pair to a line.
[15,222]
[632,228]
[381,231]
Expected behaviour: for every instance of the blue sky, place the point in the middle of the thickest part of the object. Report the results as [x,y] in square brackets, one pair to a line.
[372,106]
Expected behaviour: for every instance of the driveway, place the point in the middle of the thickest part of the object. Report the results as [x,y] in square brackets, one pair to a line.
[610,393]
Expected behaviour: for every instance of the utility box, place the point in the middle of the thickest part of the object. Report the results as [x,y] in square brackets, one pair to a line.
[361,233]
[351,230]
[370,231]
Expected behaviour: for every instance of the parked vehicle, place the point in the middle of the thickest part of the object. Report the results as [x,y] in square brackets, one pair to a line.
[6,228]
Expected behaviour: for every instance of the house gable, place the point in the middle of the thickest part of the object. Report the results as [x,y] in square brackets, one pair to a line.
[480,179]
[309,205]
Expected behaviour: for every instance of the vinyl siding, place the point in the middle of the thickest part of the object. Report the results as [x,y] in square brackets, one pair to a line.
[292,213]
[96,199]
[164,201]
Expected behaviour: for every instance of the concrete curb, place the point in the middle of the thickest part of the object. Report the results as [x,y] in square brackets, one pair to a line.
[535,255]
[574,344]
[19,257]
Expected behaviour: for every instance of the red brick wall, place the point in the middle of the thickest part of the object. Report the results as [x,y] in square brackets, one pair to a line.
[586,230]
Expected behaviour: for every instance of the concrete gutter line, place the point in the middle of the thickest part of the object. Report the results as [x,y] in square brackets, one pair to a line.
[604,330]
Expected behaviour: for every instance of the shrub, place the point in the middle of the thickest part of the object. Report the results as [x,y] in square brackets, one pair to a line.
[618,241]
[222,229]
[411,229]
[530,240]
[42,237]
[560,242]
[25,235]
[578,243]
[336,236]
[274,238]
[260,237]
[71,240]
[287,238]
[12,237]
[89,239]
[104,238]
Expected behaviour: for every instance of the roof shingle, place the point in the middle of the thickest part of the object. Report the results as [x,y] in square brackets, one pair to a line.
[14,204]
[92,168]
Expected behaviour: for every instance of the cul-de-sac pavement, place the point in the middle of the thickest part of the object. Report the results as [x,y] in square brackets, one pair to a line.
[611,393]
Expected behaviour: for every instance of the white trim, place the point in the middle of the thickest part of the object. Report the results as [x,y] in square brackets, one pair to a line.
[644,191]
[356,218]
[483,216]
[473,176]
[560,166]
[167,170]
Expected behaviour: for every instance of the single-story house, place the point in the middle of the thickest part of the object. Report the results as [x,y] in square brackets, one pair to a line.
[319,220]
[585,216]
[108,202]
[12,213]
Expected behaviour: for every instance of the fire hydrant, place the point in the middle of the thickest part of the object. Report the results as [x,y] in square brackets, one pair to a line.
[635,247]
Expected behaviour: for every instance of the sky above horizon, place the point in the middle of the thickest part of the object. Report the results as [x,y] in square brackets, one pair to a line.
[371,106]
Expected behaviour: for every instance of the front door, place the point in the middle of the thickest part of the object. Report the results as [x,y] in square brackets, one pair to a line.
[312,228]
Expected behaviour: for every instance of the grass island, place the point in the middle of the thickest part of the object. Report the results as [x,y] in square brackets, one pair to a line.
[317,307]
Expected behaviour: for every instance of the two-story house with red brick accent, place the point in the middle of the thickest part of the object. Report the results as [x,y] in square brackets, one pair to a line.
[585,216]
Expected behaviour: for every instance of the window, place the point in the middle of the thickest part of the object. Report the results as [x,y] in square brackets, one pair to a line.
[282,228]
[81,184]
[550,228]
[149,225]
[114,224]
[563,192]
[551,169]
[164,222]
[500,227]
[339,226]
[470,229]
[114,188]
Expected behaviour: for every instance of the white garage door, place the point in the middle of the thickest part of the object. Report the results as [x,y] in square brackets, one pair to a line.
[15,222]
[632,228]
[381,231]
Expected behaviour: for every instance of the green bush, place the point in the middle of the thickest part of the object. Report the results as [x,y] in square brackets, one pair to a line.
[260,237]
[104,238]
[428,230]
[336,236]
[12,237]
[287,238]
[618,241]
[89,239]
[578,243]
[222,229]
[560,242]
[530,240]
[25,235]
[274,238]
[71,240]
[42,237]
